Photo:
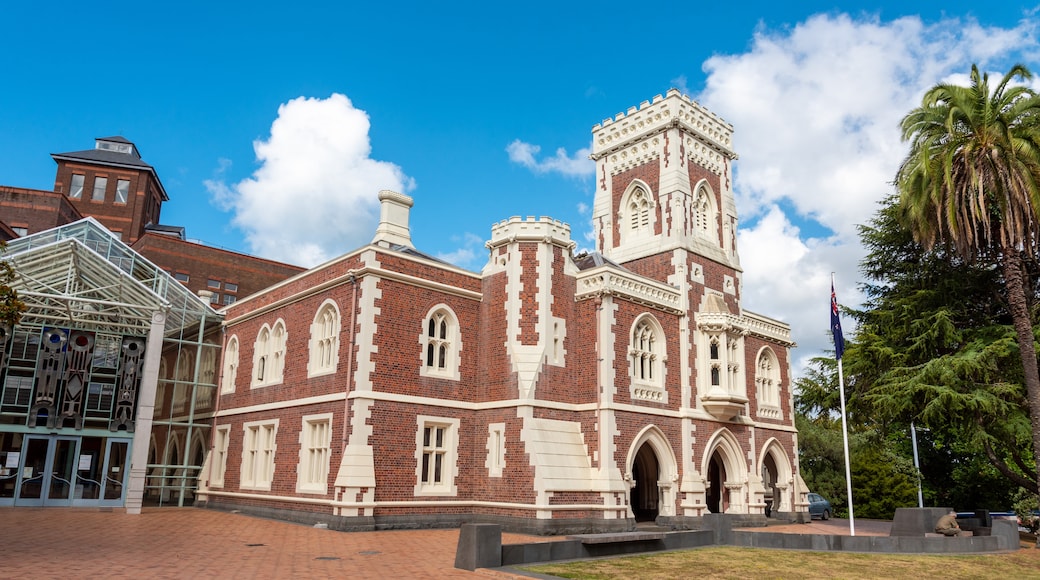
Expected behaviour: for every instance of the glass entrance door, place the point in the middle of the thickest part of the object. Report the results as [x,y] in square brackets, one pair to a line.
[76,471]
[114,484]
[47,471]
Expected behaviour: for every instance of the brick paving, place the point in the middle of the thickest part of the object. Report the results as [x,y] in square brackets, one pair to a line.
[199,543]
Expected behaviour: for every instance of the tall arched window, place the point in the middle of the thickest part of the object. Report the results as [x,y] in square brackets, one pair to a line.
[715,361]
[441,344]
[278,339]
[637,212]
[646,357]
[639,209]
[324,345]
[269,355]
[705,220]
[227,382]
[767,382]
[261,356]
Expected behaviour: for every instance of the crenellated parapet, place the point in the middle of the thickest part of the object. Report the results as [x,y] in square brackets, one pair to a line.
[531,229]
[633,137]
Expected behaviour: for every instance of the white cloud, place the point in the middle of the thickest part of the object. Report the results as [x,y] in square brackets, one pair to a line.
[313,196]
[816,111]
[578,166]
[470,249]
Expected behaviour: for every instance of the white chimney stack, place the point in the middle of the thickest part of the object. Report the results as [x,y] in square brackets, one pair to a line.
[393,219]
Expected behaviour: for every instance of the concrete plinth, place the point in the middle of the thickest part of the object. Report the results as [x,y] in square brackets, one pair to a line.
[916,521]
[480,546]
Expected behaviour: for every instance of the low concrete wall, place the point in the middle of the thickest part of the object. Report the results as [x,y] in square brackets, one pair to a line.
[1004,538]
[576,547]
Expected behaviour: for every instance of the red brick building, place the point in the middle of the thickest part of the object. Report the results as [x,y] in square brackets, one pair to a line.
[550,392]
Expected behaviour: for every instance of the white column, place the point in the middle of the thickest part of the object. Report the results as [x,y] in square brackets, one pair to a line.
[145,413]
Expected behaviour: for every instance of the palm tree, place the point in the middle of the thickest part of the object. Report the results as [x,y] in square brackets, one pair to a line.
[972,181]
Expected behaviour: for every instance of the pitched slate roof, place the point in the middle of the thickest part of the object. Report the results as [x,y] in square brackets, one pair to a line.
[113,159]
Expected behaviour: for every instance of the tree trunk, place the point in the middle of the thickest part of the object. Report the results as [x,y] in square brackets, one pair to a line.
[1019,308]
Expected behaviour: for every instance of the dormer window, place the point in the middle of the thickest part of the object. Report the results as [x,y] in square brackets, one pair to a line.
[116,146]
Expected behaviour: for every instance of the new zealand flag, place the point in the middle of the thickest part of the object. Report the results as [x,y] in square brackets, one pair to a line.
[839,339]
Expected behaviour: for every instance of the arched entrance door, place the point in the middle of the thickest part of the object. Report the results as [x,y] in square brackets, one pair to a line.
[716,489]
[769,479]
[645,495]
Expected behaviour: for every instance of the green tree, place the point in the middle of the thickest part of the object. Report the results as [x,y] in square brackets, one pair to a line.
[971,180]
[881,479]
[821,459]
[934,345]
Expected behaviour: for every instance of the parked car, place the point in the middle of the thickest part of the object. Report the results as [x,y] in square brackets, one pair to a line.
[819,507]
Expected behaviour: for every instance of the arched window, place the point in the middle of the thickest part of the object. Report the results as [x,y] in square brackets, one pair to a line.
[639,209]
[227,382]
[441,344]
[324,346]
[767,383]
[183,377]
[278,336]
[646,357]
[261,354]
[637,212]
[269,355]
[715,361]
[705,220]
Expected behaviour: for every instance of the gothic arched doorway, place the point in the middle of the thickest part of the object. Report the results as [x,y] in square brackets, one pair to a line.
[716,488]
[645,495]
[769,479]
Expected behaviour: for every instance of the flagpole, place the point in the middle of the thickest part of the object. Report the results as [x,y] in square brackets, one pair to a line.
[839,349]
[845,441]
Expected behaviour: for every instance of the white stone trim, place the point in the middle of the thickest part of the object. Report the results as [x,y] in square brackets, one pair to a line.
[286,404]
[768,328]
[647,389]
[449,467]
[453,341]
[307,444]
[230,365]
[345,278]
[609,280]
[269,352]
[221,444]
[318,338]
[258,472]
[496,449]
[767,383]
[704,128]
[367,313]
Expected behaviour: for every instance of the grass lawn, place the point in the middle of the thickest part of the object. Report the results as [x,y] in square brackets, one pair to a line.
[732,562]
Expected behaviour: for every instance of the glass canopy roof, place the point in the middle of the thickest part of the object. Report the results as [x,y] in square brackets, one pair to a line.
[81,274]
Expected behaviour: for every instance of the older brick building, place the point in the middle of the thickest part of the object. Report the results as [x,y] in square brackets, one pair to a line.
[550,392]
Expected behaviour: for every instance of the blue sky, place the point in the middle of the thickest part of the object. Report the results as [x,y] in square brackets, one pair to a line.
[273,125]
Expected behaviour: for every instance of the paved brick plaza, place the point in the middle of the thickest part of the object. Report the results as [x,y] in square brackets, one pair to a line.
[197,543]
